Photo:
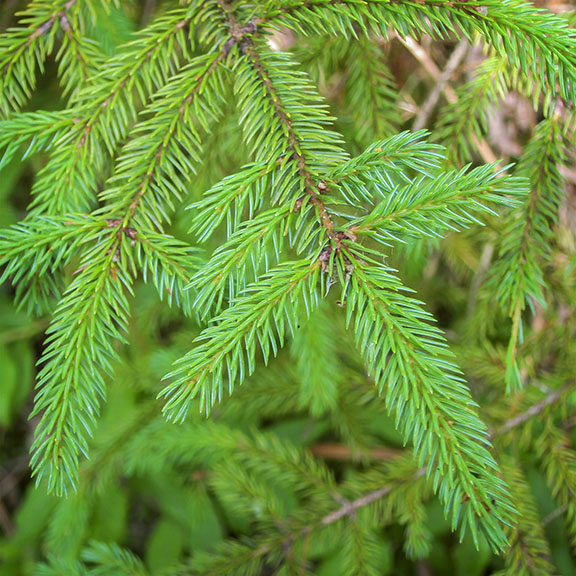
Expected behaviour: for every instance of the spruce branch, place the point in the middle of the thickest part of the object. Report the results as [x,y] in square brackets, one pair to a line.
[78,58]
[294,132]
[385,165]
[529,552]
[170,264]
[227,200]
[463,123]
[89,319]
[59,440]
[167,146]
[247,253]
[559,464]
[534,410]
[104,111]
[299,216]
[260,317]
[372,98]
[424,390]
[34,254]
[41,129]
[540,44]
[315,353]
[525,247]
[272,546]
[110,558]
[23,49]
[429,207]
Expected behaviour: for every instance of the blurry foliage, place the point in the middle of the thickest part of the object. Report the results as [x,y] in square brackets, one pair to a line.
[115,116]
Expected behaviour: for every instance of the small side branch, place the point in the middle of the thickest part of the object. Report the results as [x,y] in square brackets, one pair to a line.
[551,398]
[454,61]
[312,189]
[350,508]
[434,72]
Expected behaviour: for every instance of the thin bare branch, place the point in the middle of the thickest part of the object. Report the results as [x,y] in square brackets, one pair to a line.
[554,396]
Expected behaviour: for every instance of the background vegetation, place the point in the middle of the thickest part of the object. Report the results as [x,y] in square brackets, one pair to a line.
[352,446]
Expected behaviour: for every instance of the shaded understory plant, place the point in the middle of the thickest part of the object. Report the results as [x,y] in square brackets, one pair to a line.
[218,214]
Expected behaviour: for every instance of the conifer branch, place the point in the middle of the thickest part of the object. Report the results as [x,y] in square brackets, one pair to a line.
[22,49]
[386,163]
[431,403]
[540,42]
[428,209]
[318,366]
[463,123]
[227,200]
[90,318]
[56,447]
[35,252]
[518,277]
[371,94]
[306,156]
[559,464]
[291,215]
[41,128]
[260,317]
[240,258]
[529,552]
[168,144]
[110,558]
[78,57]
[104,111]
[170,264]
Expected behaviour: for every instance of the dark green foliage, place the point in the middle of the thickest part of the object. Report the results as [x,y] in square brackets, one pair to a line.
[220,239]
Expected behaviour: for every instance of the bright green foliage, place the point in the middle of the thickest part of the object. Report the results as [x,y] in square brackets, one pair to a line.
[221,241]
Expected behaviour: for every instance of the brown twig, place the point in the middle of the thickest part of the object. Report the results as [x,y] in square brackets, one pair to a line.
[454,61]
[533,410]
[332,451]
[434,72]
[350,508]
